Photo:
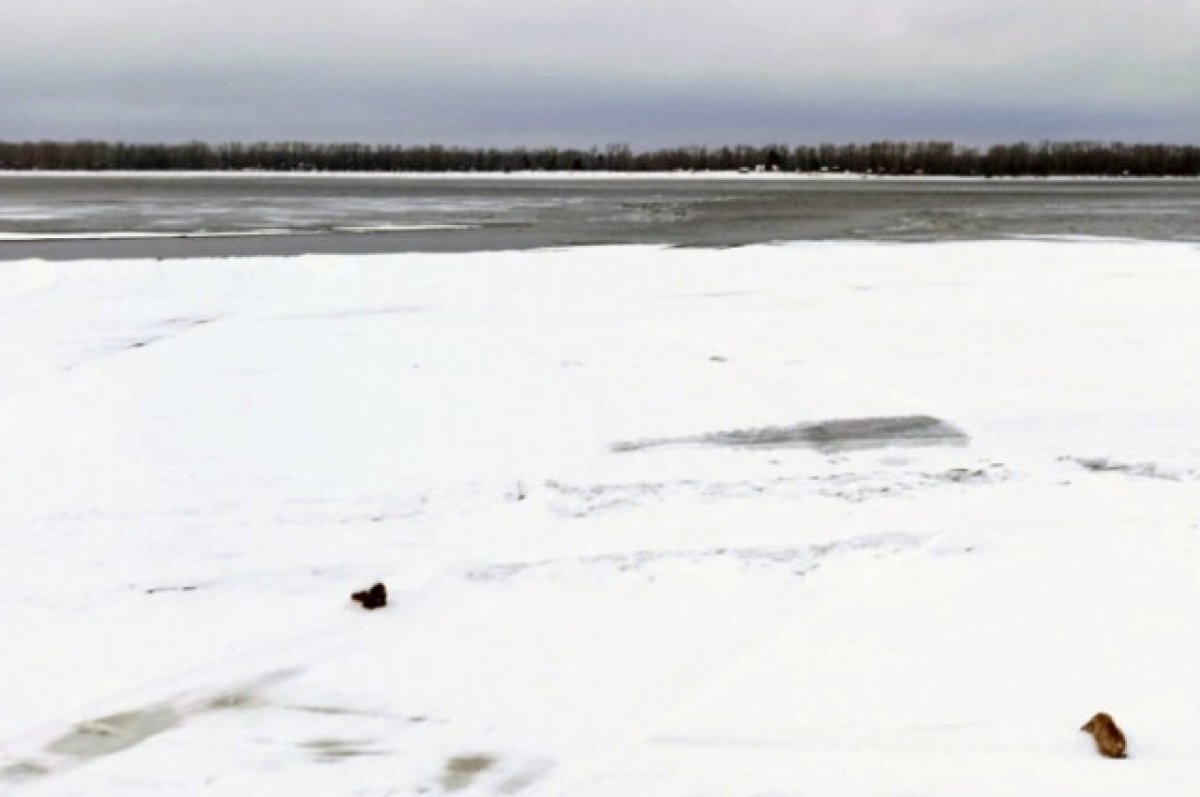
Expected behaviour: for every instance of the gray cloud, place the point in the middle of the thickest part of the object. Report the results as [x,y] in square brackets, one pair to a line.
[590,72]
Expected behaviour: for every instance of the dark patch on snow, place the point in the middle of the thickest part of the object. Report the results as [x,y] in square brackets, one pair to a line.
[373,598]
[963,475]
[332,751]
[116,732]
[188,322]
[22,771]
[185,588]
[461,771]
[1148,470]
[333,711]
[235,700]
[831,435]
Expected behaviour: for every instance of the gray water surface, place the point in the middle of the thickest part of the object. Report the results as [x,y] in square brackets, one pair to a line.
[230,215]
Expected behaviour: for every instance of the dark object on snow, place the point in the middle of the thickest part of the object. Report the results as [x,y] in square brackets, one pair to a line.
[1109,739]
[156,590]
[841,434]
[373,598]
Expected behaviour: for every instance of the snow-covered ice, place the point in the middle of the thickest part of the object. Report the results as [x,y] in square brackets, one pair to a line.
[203,459]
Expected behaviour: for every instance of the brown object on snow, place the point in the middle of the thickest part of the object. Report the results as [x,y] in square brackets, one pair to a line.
[373,598]
[1109,739]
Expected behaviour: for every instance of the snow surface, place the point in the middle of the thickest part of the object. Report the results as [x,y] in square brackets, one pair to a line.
[203,459]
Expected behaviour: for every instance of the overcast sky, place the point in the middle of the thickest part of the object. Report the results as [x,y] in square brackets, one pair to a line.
[584,72]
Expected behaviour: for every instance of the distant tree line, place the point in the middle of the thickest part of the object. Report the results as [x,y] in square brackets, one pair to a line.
[881,157]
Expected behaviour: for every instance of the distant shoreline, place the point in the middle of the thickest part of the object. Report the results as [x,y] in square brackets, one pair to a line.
[899,159]
[584,175]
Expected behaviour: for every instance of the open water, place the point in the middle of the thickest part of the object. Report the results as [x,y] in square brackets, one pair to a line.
[75,216]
